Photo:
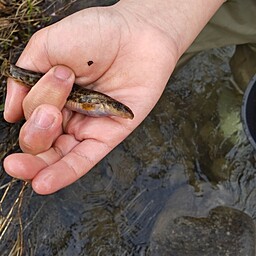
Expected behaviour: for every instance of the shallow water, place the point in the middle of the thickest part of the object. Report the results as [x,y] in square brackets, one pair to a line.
[189,156]
[181,159]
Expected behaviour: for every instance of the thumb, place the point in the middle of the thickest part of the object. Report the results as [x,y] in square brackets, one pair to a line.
[53,88]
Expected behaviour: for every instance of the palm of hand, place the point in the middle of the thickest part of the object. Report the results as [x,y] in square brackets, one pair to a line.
[131,62]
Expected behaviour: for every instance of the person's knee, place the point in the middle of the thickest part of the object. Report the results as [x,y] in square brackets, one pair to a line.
[243,64]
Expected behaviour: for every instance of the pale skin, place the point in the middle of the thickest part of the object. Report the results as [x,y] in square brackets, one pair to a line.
[134,46]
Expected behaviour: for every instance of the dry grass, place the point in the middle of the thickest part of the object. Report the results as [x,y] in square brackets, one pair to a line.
[18,21]
[12,215]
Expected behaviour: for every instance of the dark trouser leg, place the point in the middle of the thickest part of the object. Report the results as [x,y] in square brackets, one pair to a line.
[233,24]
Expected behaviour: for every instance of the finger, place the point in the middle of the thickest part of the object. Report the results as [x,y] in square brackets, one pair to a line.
[110,130]
[23,166]
[30,60]
[41,129]
[53,88]
[71,167]
[26,166]
[16,92]
[67,155]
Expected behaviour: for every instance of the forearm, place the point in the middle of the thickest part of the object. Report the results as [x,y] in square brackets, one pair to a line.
[181,20]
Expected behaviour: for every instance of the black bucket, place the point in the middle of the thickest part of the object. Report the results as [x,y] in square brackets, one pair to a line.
[249,112]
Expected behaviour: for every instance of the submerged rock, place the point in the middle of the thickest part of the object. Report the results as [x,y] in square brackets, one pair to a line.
[225,231]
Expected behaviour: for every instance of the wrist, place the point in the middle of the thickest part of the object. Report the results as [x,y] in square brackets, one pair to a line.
[180,20]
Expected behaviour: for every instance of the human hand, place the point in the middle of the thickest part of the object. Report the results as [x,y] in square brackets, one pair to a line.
[132,61]
[134,46]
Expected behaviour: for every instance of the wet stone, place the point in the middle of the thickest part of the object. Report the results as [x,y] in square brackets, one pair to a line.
[225,231]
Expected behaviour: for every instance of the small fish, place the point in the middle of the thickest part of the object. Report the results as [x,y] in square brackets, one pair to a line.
[81,100]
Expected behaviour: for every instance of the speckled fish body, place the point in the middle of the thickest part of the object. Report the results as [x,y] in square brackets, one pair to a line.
[81,100]
[96,104]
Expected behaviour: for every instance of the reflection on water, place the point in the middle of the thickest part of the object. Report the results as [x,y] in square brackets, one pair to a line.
[189,156]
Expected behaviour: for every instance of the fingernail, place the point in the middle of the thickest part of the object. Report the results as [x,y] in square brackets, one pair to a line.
[44,184]
[44,119]
[62,72]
